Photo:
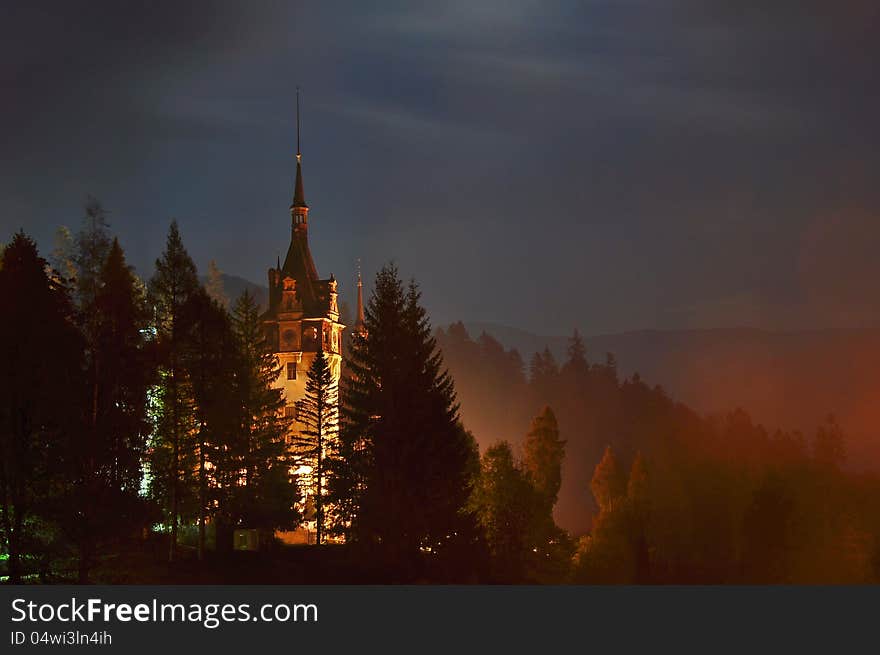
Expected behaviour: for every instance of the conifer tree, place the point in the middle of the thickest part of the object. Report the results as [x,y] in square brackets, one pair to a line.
[543,373]
[577,352]
[609,482]
[829,448]
[108,456]
[37,344]
[214,285]
[61,259]
[209,358]
[544,452]
[267,493]
[319,412]
[172,285]
[92,245]
[611,366]
[637,485]
[405,473]
[510,512]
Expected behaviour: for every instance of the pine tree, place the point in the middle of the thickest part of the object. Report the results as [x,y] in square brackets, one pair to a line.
[108,457]
[544,452]
[62,256]
[267,491]
[85,259]
[319,412]
[637,485]
[577,352]
[209,358]
[639,501]
[92,245]
[172,285]
[543,373]
[38,342]
[121,306]
[214,285]
[609,482]
[510,512]
[542,463]
[611,366]
[829,447]
[405,473]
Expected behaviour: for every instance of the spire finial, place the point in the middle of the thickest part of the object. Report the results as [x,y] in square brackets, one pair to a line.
[359,325]
[298,151]
[299,197]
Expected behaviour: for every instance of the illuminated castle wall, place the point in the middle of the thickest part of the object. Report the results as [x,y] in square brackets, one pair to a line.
[303,315]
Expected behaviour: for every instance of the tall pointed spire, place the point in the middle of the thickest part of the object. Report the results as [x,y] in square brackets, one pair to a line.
[298,263]
[359,325]
[299,196]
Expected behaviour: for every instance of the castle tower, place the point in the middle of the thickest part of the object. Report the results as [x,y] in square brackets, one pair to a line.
[303,314]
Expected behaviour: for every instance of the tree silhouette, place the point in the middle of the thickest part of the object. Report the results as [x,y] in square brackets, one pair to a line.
[266,495]
[409,475]
[829,448]
[209,358]
[106,458]
[544,452]
[214,285]
[38,344]
[509,510]
[170,288]
[609,482]
[318,410]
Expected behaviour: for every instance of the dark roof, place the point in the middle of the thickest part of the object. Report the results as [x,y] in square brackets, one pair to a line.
[299,196]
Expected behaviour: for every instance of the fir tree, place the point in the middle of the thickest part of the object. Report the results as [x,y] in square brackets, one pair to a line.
[543,373]
[829,447]
[266,490]
[544,452]
[319,412]
[172,285]
[92,245]
[510,512]
[119,371]
[577,352]
[123,318]
[209,357]
[611,366]
[214,285]
[609,482]
[62,256]
[405,473]
[39,343]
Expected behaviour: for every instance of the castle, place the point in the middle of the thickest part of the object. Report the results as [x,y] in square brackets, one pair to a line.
[303,313]
[303,318]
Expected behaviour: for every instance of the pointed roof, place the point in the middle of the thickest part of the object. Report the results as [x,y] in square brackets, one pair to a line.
[299,196]
[298,263]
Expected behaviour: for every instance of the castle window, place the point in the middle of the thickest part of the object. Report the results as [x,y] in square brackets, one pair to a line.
[290,411]
[291,370]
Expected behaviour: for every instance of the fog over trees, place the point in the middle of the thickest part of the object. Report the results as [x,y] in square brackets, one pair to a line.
[139,428]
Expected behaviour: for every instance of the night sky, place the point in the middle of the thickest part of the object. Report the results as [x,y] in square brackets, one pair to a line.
[611,165]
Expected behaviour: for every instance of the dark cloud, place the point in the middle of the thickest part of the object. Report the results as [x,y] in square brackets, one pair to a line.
[611,165]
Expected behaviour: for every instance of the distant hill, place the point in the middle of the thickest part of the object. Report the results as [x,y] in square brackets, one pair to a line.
[234,286]
[783,379]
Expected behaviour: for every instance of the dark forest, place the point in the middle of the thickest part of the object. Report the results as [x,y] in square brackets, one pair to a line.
[140,434]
